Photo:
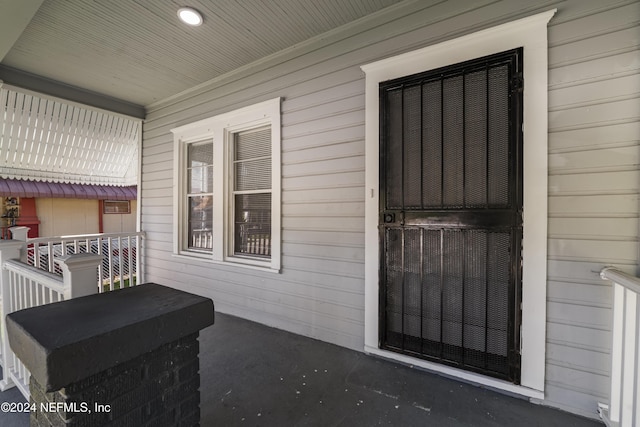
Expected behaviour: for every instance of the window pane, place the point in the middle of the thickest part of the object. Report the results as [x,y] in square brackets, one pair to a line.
[200,169]
[200,221]
[200,180]
[252,144]
[200,155]
[252,160]
[253,224]
[253,175]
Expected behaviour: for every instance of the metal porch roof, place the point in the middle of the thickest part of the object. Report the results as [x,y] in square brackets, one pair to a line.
[25,188]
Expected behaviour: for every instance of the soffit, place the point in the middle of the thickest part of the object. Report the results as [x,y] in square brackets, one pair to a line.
[138,51]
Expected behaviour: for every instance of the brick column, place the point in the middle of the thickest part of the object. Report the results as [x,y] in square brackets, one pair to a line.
[125,358]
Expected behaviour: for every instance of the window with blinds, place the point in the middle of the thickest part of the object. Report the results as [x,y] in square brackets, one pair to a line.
[252,193]
[227,195]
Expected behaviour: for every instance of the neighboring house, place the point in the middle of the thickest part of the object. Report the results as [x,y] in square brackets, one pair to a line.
[66,169]
[438,183]
[313,189]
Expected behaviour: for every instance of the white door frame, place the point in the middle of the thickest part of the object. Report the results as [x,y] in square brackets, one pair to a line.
[531,34]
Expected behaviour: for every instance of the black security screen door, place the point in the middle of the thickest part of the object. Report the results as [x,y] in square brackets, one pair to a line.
[451,215]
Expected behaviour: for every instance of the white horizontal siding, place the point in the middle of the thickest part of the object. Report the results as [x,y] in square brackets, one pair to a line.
[594,149]
[593,182]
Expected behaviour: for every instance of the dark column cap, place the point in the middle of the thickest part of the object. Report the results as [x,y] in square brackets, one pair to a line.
[64,342]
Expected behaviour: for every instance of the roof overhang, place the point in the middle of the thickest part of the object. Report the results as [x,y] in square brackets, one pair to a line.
[43,189]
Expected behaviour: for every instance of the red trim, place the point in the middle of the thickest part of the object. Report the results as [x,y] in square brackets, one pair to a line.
[100,221]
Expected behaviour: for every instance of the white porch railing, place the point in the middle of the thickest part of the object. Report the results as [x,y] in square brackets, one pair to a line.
[28,287]
[624,399]
[25,286]
[121,266]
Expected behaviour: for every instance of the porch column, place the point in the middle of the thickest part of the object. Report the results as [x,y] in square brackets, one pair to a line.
[129,357]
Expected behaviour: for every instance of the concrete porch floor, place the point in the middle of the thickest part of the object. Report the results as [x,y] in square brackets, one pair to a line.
[253,375]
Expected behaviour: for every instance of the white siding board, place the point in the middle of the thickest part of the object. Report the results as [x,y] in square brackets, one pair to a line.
[604,136]
[324,251]
[594,92]
[594,228]
[159,192]
[345,134]
[578,336]
[625,182]
[151,185]
[628,109]
[159,165]
[340,106]
[324,195]
[156,226]
[578,380]
[154,175]
[579,315]
[597,295]
[583,272]
[606,251]
[335,267]
[313,237]
[613,16]
[325,91]
[323,167]
[602,206]
[601,159]
[322,223]
[614,65]
[570,399]
[325,209]
[580,359]
[152,236]
[158,157]
[593,185]
[152,202]
[335,180]
[327,122]
[327,151]
[163,220]
[623,40]
[158,145]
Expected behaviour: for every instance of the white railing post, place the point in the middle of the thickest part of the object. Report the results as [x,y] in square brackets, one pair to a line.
[624,398]
[9,249]
[79,274]
[140,245]
[19,233]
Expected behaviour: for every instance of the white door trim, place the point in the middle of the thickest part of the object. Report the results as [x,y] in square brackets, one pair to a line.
[531,34]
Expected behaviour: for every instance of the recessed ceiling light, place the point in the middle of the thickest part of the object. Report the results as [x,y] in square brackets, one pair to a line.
[190,16]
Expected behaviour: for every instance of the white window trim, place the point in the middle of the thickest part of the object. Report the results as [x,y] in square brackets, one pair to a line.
[531,34]
[219,129]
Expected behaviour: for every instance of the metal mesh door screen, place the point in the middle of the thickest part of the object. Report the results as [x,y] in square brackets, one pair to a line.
[450,223]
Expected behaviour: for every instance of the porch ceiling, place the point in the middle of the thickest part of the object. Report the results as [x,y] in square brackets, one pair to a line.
[127,54]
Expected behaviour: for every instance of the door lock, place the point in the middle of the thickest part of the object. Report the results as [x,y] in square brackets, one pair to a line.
[389,218]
